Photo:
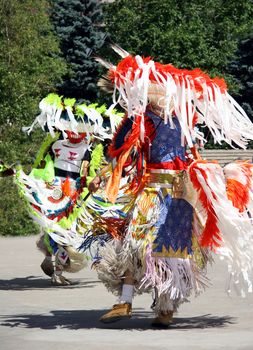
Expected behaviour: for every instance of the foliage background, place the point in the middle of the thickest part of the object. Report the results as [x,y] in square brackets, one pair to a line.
[30,67]
[188,34]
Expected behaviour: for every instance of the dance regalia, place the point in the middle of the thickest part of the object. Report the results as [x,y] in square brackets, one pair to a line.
[56,190]
[183,211]
[162,227]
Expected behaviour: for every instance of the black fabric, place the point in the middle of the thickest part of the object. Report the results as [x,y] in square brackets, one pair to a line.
[122,131]
[87,156]
[64,173]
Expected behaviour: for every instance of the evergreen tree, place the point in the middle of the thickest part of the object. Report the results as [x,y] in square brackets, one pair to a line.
[242,69]
[78,25]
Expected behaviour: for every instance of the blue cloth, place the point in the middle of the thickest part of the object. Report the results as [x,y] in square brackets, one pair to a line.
[53,245]
[174,226]
[166,145]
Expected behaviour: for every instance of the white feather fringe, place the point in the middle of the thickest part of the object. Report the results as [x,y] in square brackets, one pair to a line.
[236,229]
[216,109]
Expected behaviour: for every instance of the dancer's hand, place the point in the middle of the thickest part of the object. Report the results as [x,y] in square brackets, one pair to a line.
[95,264]
[5,171]
[95,184]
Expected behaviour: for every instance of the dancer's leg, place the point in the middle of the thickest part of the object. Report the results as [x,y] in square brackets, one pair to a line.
[47,264]
[123,309]
[127,288]
[164,310]
[61,259]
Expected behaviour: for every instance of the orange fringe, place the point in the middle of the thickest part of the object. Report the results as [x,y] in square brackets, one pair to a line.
[122,154]
[113,226]
[237,192]
[66,187]
[112,186]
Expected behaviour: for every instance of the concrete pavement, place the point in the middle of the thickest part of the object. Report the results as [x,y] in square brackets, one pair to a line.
[37,316]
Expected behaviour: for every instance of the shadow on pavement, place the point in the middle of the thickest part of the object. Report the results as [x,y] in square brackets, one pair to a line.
[86,319]
[35,282]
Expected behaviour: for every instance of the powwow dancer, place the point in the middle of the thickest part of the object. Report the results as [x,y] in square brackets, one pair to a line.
[56,189]
[182,212]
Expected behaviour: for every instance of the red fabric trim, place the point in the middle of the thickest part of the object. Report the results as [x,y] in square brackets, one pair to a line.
[36,207]
[133,136]
[211,236]
[130,140]
[177,164]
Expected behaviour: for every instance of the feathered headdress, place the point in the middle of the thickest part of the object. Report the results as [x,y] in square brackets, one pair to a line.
[190,94]
[61,114]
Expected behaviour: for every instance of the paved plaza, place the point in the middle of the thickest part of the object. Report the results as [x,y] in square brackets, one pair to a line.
[34,315]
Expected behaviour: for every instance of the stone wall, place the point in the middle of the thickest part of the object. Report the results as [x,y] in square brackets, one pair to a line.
[227,156]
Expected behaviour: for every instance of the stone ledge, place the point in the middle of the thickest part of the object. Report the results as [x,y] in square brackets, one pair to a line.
[227,156]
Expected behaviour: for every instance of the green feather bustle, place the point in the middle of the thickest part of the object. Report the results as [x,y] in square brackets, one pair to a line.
[53,100]
[47,173]
[44,148]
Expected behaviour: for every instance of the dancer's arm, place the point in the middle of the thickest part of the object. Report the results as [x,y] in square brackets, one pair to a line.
[84,168]
[95,183]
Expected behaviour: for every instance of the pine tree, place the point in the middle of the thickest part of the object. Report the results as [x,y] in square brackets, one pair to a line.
[78,25]
[242,69]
